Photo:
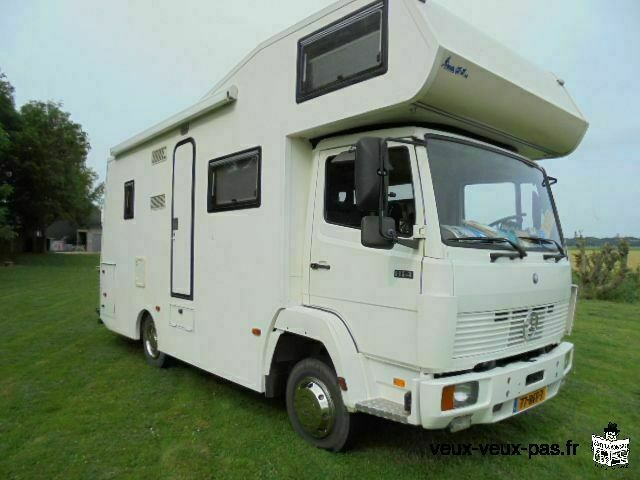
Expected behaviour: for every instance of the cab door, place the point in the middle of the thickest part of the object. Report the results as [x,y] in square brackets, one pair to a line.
[373,291]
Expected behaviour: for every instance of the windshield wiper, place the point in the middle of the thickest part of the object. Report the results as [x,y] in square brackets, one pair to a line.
[494,256]
[548,241]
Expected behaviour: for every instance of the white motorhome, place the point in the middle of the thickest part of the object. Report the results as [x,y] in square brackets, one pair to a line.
[355,218]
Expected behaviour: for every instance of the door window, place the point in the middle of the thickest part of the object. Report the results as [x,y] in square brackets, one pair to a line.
[340,204]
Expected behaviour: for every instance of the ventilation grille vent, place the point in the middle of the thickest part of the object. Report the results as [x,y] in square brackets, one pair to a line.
[159,155]
[157,202]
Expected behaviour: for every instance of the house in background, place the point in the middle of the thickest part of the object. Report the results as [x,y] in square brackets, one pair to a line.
[66,236]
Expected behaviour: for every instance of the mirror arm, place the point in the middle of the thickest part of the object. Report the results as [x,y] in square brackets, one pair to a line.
[382,172]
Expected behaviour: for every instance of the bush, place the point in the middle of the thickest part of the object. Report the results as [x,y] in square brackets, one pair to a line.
[604,274]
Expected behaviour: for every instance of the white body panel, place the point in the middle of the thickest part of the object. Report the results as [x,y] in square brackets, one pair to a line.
[210,279]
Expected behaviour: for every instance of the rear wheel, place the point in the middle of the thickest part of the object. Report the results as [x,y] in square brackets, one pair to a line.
[150,344]
[315,407]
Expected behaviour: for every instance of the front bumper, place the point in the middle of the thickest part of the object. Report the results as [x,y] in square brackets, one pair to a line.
[498,388]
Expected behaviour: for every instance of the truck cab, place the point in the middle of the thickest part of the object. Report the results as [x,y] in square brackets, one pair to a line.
[461,311]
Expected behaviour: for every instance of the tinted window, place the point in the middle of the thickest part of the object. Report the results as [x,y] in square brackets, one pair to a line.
[129,196]
[340,206]
[234,181]
[346,52]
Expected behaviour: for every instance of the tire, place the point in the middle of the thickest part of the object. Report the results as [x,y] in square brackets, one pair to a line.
[150,344]
[315,407]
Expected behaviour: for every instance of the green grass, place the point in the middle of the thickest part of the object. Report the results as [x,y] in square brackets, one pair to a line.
[77,401]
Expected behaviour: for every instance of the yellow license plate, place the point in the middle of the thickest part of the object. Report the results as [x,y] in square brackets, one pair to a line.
[529,400]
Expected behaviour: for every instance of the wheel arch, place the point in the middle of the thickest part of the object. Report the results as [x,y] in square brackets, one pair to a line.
[141,316]
[318,331]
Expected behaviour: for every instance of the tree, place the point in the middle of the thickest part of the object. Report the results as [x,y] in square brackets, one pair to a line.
[604,273]
[6,230]
[9,117]
[49,173]
[97,196]
[9,123]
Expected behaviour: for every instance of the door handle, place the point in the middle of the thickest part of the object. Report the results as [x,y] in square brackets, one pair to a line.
[320,266]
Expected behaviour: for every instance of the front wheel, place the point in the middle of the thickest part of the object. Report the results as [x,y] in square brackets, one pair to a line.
[150,344]
[315,406]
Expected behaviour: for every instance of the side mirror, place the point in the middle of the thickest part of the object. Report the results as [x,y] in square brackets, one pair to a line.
[371,159]
[370,235]
[371,180]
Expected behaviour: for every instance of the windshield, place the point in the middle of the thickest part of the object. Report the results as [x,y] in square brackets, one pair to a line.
[481,193]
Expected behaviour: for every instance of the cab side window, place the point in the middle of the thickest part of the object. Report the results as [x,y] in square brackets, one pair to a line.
[339,199]
[339,193]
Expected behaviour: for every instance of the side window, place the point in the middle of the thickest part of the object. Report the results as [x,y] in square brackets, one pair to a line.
[348,51]
[234,181]
[339,192]
[129,197]
[339,195]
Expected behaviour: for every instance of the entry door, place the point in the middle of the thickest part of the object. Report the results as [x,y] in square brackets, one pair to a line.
[374,291]
[182,204]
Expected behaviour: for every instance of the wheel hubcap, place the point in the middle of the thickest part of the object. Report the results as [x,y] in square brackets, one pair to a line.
[151,339]
[314,407]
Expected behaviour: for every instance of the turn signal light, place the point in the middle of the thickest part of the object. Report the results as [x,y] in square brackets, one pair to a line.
[447,398]
[398,382]
[256,331]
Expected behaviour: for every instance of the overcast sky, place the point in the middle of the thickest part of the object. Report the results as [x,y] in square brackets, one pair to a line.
[123,65]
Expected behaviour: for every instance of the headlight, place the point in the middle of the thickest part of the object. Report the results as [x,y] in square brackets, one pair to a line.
[460,395]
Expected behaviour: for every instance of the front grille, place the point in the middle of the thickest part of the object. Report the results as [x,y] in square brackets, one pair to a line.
[483,333]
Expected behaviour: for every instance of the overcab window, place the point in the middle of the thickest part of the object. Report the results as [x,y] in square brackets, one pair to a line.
[348,51]
[129,193]
[234,181]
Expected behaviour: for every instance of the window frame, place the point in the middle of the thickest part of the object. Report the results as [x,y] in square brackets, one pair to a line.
[129,215]
[242,155]
[383,6]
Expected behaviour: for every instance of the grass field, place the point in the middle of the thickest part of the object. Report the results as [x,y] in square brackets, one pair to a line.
[79,402]
[634,257]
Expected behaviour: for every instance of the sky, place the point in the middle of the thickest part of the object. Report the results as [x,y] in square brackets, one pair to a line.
[121,66]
